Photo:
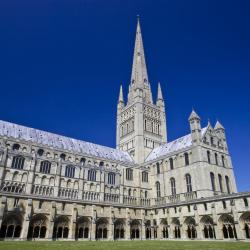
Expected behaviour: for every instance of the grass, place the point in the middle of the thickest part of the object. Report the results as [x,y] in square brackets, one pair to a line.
[126,245]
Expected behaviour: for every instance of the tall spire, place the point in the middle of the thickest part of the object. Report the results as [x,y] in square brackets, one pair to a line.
[159,94]
[121,95]
[139,76]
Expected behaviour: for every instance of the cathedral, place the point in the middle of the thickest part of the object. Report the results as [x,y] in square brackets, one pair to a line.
[54,187]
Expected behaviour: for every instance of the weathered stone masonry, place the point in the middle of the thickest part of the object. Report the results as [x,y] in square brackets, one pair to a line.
[55,187]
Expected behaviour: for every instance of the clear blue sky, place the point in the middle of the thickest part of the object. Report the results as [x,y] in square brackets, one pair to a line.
[61,64]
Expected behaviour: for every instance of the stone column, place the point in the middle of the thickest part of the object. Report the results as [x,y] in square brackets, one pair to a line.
[50,228]
[182,228]
[72,226]
[198,226]
[111,229]
[93,224]
[26,220]
[127,230]
[152,233]
[217,227]
[93,230]
[239,232]
[170,232]
[143,231]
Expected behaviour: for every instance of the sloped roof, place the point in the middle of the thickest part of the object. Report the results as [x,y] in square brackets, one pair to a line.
[171,147]
[62,142]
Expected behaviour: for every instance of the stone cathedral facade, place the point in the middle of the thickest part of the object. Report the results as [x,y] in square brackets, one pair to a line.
[57,188]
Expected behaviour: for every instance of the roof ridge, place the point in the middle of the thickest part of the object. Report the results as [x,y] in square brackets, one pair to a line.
[59,137]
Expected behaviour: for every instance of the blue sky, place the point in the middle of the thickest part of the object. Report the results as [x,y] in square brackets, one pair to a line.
[61,64]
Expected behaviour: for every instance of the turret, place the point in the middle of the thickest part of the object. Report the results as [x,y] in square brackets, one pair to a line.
[220,132]
[120,99]
[195,127]
[159,101]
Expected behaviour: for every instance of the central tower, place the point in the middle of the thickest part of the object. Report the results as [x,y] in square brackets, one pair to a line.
[141,124]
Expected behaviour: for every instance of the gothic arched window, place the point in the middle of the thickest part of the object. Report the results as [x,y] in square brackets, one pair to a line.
[18,162]
[111,178]
[212,181]
[91,175]
[173,188]
[186,159]
[70,171]
[158,189]
[129,174]
[216,159]
[209,157]
[228,184]
[220,182]
[188,182]
[144,176]
[45,167]
[223,160]
[171,162]
[158,170]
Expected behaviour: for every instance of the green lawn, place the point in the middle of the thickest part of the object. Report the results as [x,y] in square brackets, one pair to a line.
[137,245]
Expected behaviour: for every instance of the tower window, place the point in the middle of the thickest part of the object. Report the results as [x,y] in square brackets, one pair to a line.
[216,159]
[158,168]
[223,160]
[228,184]
[186,159]
[144,176]
[209,157]
[173,188]
[171,162]
[212,181]
[246,202]
[220,182]
[188,183]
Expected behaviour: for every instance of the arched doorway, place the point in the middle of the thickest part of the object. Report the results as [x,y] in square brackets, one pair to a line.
[148,229]
[164,226]
[176,228]
[135,229]
[227,226]
[208,227]
[119,229]
[245,224]
[82,228]
[11,226]
[38,227]
[101,229]
[61,228]
[190,228]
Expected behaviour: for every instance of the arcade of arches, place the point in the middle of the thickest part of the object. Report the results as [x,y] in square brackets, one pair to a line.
[119,229]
